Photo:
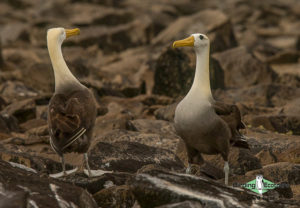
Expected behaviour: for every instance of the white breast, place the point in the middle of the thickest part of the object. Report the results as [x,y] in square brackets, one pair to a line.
[192,113]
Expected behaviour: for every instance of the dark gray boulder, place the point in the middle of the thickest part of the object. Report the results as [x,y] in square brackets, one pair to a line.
[22,188]
[157,188]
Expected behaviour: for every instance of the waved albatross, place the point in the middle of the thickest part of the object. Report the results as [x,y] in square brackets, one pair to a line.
[72,109]
[205,125]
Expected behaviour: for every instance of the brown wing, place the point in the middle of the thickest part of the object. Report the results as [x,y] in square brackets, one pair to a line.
[69,117]
[232,116]
[229,113]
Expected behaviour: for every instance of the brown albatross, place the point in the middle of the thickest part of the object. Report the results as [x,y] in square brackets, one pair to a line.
[72,109]
[205,125]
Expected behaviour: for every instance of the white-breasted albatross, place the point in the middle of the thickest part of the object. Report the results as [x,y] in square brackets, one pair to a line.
[72,109]
[205,125]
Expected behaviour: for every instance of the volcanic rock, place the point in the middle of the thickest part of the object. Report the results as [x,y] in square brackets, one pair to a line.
[96,184]
[184,204]
[149,100]
[23,110]
[1,57]
[38,164]
[98,15]
[287,74]
[33,123]
[211,22]
[292,108]
[14,32]
[159,127]
[279,147]
[284,57]
[39,76]
[127,72]
[16,90]
[278,123]
[21,188]
[130,156]
[283,42]
[237,63]
[115,196]
[173,75]
[166,141]
[124,56]
[166,113]
[156,188]
[259,95]
[8,124]
[2,103]
[120,111]
[116,38]
[280,172]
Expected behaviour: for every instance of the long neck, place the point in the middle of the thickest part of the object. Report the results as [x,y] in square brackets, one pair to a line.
[201,84]
[63,77]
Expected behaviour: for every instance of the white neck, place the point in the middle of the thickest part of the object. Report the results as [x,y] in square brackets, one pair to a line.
[63,76]
[201,84]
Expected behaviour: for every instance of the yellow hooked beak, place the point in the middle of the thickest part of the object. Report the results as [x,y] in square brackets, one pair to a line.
[185,42]
[72,32]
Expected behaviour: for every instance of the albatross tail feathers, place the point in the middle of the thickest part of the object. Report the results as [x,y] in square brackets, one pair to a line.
[76,136]
[70,141]
[240,141]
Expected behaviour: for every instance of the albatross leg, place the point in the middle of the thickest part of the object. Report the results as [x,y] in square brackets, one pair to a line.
[188,169]
[194,157]
[226,170]
[87,171]
[92,173]
[64,172]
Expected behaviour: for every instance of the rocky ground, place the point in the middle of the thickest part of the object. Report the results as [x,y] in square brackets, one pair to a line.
[124,55]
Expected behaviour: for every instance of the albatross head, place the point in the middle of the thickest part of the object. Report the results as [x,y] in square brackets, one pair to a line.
[60,34]
[63,76]
[201,83]
[197,40]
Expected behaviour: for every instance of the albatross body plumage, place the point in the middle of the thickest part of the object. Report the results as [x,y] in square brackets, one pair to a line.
[206,126]
[72,109]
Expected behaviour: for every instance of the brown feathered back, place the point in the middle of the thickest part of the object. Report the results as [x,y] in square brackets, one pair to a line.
[71,118]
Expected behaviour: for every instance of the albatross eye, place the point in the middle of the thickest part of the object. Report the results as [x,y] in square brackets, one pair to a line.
[201,37]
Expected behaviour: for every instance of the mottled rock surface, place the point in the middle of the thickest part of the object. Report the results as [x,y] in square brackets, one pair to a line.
[127,156]
[156,188]
[22,188]
[124,55]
